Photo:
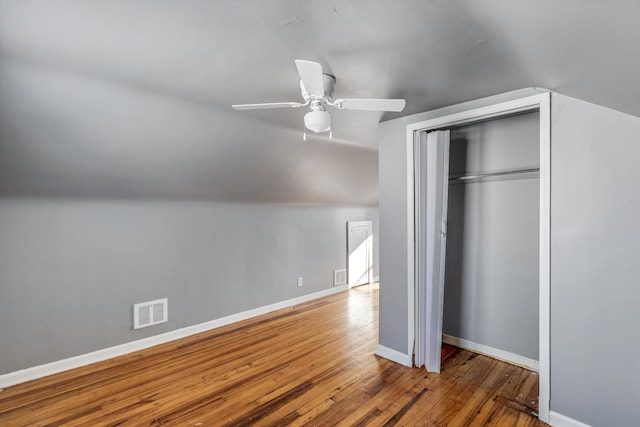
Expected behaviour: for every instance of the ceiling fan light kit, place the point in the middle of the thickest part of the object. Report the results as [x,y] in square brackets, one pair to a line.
[317,91]
[318,121]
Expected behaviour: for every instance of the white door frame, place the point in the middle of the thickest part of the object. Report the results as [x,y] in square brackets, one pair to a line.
[368,226]
[542,103]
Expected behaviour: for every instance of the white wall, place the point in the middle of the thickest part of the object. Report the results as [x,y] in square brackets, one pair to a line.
[70,270]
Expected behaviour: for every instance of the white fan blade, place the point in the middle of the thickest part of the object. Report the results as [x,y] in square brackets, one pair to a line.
[311,76]
[267,105]
[370,104]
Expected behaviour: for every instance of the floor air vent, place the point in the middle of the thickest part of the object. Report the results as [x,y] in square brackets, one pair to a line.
[340,277]
[150,313]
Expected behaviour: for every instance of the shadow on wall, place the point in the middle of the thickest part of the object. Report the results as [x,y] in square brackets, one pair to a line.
[454,269]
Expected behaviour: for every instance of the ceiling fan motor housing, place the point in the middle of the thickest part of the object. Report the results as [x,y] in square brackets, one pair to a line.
[329,84]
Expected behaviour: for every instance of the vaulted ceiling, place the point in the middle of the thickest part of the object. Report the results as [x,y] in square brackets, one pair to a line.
[132,99]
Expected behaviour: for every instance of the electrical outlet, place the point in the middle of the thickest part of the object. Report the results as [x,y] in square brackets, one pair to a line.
[299,281]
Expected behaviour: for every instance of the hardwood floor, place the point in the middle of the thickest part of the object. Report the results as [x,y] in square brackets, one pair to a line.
[312,364]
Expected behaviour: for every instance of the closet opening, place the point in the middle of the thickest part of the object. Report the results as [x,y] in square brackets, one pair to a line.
[492,248]
[479,225]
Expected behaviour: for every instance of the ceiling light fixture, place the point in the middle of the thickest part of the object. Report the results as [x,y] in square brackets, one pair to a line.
[317,121]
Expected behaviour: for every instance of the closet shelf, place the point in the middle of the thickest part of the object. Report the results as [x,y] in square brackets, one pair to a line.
[505,173]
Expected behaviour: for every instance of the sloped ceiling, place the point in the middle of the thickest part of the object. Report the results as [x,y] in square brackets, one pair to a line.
[131,99]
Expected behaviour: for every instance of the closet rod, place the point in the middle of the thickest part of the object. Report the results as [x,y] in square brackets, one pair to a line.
[491,174]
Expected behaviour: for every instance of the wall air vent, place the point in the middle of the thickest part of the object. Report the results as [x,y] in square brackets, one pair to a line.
[150,313]
[340,277]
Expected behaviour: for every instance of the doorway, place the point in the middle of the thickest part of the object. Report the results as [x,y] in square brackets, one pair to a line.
[491,274]
[360,252]
[540,103]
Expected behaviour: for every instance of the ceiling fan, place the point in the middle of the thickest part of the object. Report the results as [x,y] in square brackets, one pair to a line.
[317,92]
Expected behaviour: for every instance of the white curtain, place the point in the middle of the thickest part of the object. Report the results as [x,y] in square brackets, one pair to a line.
[431,157]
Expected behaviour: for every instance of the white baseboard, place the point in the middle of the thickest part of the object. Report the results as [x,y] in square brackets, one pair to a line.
[506,356]
[375,279]
[558,420]
[40,371]
[393,355]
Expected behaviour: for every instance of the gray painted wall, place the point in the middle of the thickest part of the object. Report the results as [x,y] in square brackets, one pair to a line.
[491,272]
[71,269]
[594,255]
[595,271]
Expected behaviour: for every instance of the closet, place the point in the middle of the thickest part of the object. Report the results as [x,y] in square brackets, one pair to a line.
[478,233]
[491,280]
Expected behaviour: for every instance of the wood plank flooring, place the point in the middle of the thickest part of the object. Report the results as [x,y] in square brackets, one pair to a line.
[312,364]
